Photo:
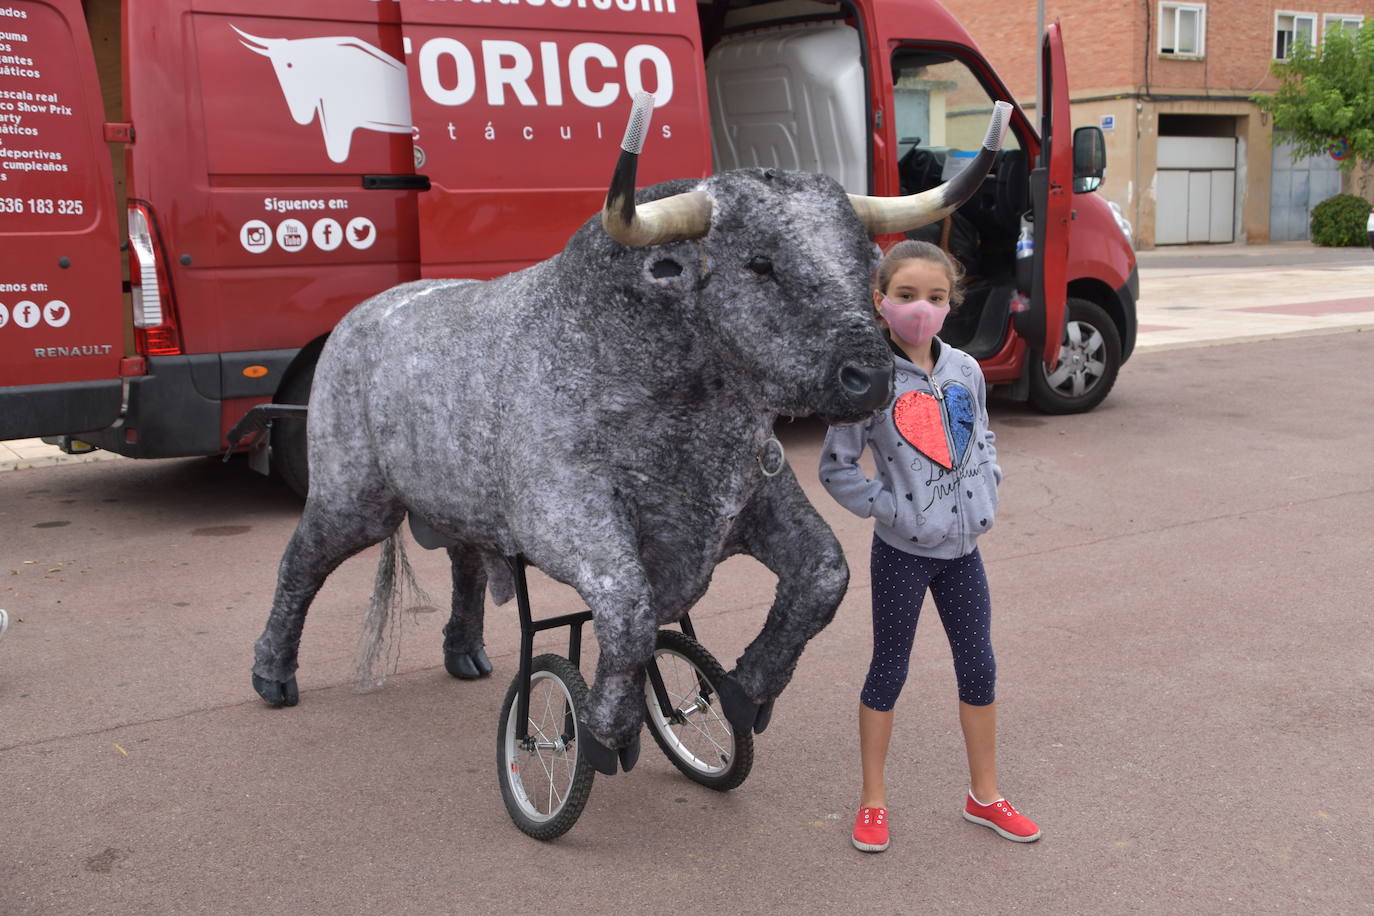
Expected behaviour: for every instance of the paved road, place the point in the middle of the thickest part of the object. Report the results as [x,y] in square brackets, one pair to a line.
[1181,581]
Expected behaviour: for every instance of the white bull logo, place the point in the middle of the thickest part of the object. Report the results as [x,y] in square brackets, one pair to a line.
[349,83]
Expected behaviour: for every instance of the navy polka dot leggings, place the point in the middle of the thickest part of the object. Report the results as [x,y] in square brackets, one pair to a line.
[960,589]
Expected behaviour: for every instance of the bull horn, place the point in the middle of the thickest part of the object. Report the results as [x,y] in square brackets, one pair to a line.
[260,45]
[884,215]
[658,222]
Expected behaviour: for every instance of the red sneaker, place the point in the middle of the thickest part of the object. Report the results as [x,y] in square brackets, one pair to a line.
[870,829]
[1002,817]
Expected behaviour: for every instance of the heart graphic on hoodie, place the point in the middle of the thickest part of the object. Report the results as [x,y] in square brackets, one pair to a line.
[932,425]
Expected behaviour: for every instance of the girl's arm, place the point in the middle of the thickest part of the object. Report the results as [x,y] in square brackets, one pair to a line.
[989,436]
[844,478]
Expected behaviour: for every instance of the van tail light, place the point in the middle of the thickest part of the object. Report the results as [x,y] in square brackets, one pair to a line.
[155,326]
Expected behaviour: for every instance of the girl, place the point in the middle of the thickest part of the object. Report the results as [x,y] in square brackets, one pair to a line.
[935,494]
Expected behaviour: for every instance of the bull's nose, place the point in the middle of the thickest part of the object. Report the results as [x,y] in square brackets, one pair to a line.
[866,386]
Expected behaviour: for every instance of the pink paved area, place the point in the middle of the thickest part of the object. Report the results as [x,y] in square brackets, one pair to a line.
[1333,307]
[1181,585]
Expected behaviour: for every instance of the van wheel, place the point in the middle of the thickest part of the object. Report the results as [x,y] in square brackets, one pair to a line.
[1089,360]
[290,459]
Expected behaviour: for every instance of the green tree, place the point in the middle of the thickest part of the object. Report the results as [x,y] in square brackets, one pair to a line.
[1326,96]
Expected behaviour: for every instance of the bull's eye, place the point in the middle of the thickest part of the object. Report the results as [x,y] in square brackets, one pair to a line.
[761,265]
[666,268]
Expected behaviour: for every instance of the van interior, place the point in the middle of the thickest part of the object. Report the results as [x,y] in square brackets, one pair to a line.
[786,86]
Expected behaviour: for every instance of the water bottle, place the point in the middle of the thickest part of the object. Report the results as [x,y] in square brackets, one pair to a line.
[1025,242]
[1025,252]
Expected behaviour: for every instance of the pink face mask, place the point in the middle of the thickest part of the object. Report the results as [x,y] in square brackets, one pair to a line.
[914,322]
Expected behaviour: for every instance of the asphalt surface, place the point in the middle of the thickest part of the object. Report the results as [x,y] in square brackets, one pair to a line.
[1181,583]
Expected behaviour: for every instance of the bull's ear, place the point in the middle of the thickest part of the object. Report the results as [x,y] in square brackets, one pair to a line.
[884,215]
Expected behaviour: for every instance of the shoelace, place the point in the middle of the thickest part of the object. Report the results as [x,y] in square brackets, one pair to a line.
[868,815]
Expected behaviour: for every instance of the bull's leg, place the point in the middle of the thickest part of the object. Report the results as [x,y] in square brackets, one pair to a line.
[783,531]
[325,537]
[464,655]
[617,592]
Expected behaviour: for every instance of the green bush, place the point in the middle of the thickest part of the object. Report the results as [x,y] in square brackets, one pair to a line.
[1340,221]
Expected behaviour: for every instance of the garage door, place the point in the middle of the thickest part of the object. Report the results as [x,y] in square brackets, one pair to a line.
[1297,188]
[1195,190]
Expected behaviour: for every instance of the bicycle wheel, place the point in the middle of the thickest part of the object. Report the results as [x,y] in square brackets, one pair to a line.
[543,782]
[695,735]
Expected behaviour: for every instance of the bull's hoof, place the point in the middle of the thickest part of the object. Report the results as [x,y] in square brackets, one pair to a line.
[629,755]
[765,715]
[604,759]
[744,714]
[277,693]
[467,666]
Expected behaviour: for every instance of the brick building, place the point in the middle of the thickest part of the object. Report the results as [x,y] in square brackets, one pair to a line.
[1190,158]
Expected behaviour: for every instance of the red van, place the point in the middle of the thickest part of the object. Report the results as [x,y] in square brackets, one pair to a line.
[193,193]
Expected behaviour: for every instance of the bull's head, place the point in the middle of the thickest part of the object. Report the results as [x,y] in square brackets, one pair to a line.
[788,268]
[301,96]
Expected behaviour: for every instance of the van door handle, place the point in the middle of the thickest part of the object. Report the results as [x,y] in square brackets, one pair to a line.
[396,182]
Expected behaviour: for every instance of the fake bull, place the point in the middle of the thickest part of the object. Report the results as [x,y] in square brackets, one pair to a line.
[607,414]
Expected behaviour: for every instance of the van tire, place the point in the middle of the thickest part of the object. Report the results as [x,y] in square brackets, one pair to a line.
[290,455]
[1095,342]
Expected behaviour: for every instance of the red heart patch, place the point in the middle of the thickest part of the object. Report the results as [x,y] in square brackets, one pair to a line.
[918,418]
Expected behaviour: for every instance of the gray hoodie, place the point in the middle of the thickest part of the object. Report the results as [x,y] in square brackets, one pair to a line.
[937,466]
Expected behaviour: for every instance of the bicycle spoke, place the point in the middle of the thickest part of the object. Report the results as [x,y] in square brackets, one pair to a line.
[714,743]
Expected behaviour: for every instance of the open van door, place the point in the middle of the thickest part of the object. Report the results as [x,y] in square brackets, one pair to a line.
[61,304]
[1051,187]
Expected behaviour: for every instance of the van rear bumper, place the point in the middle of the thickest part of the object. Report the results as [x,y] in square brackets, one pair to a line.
[176,410]
[30,411]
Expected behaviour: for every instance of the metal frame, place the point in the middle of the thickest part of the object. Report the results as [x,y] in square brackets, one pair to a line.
[529,626]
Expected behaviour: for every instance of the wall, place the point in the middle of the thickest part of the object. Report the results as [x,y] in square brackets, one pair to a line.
[1100,39]
[1114,69]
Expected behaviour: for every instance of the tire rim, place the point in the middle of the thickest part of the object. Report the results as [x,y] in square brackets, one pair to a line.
[1082,361]
[703,739]
[541,771]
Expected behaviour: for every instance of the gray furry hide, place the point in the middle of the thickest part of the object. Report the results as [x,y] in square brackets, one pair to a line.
[603,413]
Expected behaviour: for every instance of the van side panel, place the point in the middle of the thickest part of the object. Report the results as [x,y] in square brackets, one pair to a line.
[254,138]
[61,331]
[520,110]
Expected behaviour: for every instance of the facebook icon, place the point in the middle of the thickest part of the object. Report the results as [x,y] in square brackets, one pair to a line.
[327,234]
[27,314]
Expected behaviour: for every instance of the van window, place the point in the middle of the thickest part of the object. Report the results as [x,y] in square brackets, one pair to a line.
[940,105]
[940,114]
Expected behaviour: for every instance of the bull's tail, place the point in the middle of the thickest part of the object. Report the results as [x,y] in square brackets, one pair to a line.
[379,649]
